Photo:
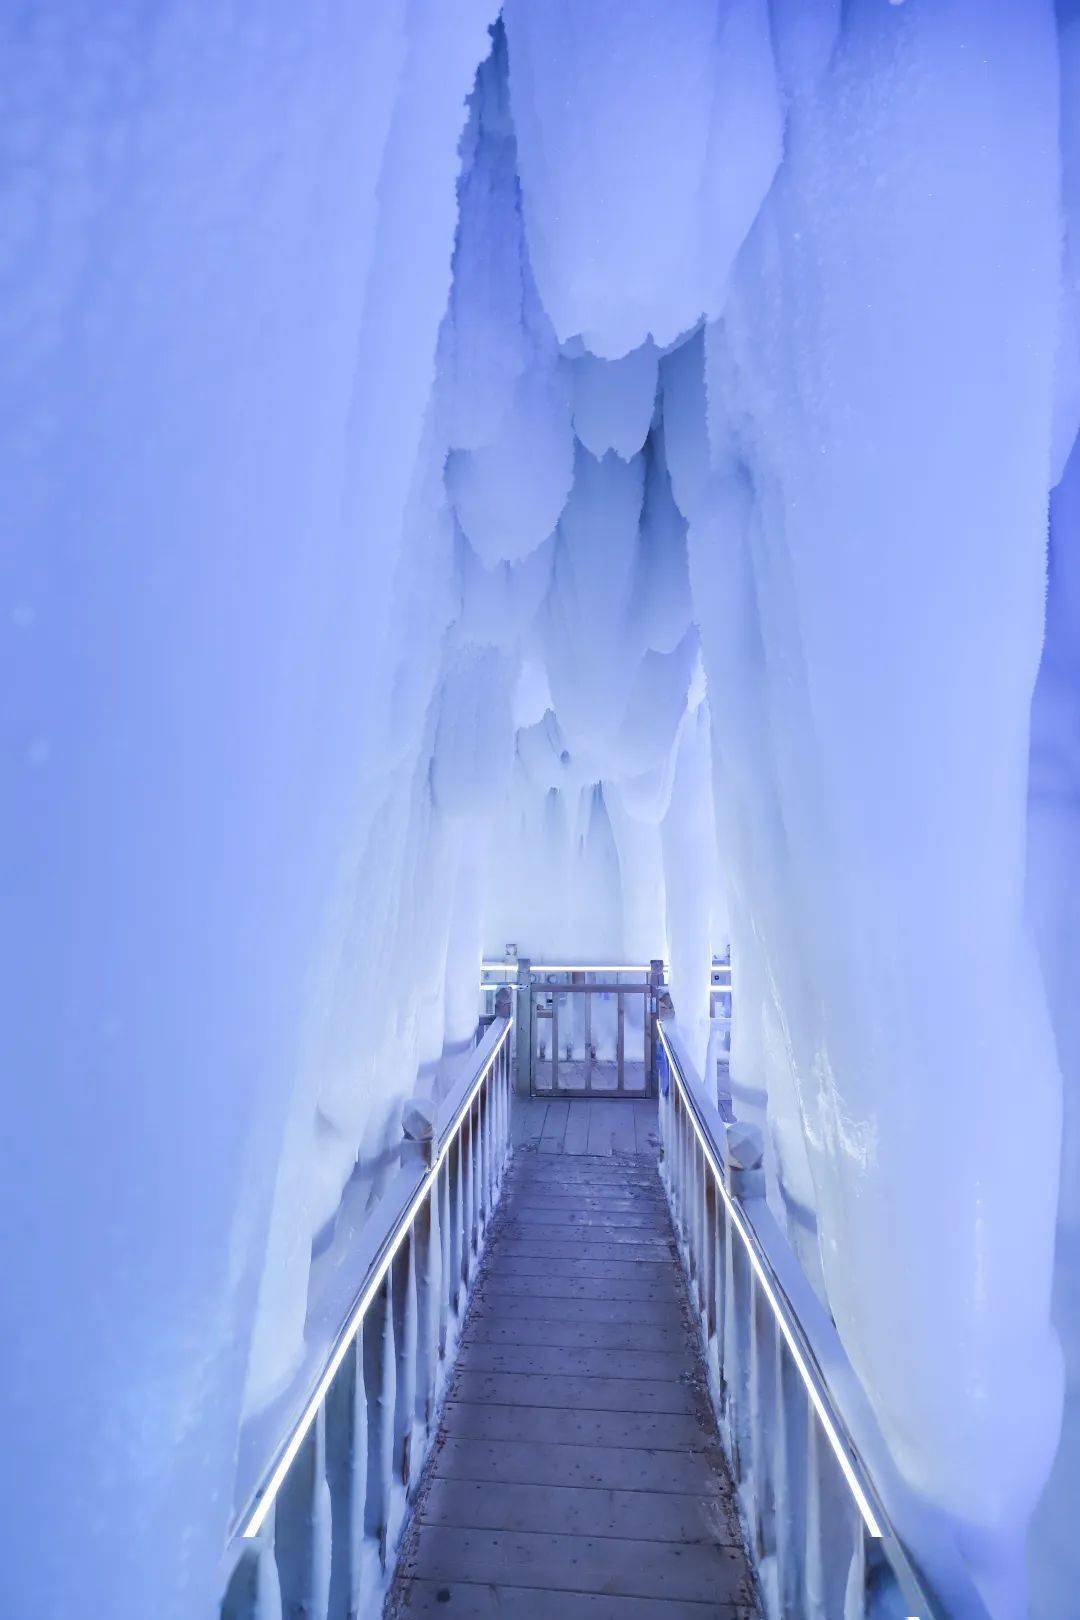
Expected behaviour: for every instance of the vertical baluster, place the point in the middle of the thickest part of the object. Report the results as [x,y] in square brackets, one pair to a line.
[446,1269]
[814,1572]
[762,1414]
[708,1281]
[830,1527]
[724,1236]
[677,1166]
[697,1193]
[857,1590]
[483,1104]
[680,1165]
[703,1242]
[500,1104]
[504,1106]
[302,1529]
[481,1156]
[473,1224]
[468,1198]
[403,1301]
[428,1246]
[379,1383]
[457,1220]
[253,1592]
[793,1413]
[684,1173]
[739,1303]
[495,1105]
[346,1474]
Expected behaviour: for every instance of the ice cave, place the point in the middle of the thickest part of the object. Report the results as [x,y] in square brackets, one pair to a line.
[537,534]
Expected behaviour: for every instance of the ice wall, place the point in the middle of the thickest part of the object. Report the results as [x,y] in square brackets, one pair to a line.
[1054,852]
[900,621]
[227,588]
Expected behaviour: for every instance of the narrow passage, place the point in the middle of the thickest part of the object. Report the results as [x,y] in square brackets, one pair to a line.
[577,1472]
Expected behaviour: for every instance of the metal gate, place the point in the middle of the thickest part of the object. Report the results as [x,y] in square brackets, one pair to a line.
[588,1031]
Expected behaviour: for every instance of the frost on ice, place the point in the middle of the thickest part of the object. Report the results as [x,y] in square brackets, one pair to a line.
[579,478]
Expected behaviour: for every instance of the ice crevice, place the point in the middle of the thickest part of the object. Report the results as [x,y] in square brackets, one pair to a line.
[580,475]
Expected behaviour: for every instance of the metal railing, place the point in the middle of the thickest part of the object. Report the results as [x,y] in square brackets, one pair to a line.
[833,1530]
[320,1517]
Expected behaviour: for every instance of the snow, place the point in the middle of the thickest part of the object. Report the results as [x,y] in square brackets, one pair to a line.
[579,480]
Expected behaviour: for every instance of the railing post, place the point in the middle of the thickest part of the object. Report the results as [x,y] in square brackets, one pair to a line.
[346,1474]
[378,1361]
[652,1012]
[526,1033]
[442,1195]
[253,1592]
[403,1300]
[302,1534]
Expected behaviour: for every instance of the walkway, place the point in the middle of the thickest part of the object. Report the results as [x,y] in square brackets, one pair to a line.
[594,1126]
[577,1474]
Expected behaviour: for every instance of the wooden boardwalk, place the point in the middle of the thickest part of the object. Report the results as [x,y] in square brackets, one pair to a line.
[577,1474]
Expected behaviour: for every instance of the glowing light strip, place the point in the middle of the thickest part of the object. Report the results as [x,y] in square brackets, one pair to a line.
[868,1515]
[256,1516]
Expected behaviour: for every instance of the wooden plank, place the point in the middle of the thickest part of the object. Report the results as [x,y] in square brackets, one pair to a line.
[611,1127]
[598,1163]
[527,1119]
[559,1232]
[466,1601]
[514,1264]
[652,1250]
[666,1313]
[539,1462]
[575,1361]
[498,1283]
[647,1129]
[532,1186]
[576,1139]
[575,1510]
[484,1328]
[565,1391]
[591,1200]
[563,1183]
[658,1431]
[527,1215]
[554,1128]
[588,1165]
[568,1172]
[606,1564]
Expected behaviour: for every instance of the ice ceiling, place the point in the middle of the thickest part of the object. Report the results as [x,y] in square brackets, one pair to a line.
[579,478]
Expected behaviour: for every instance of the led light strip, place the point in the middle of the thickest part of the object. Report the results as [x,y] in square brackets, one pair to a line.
[256,1515]
[869,1517]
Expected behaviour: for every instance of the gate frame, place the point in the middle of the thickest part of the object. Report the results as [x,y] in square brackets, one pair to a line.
[539,979]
